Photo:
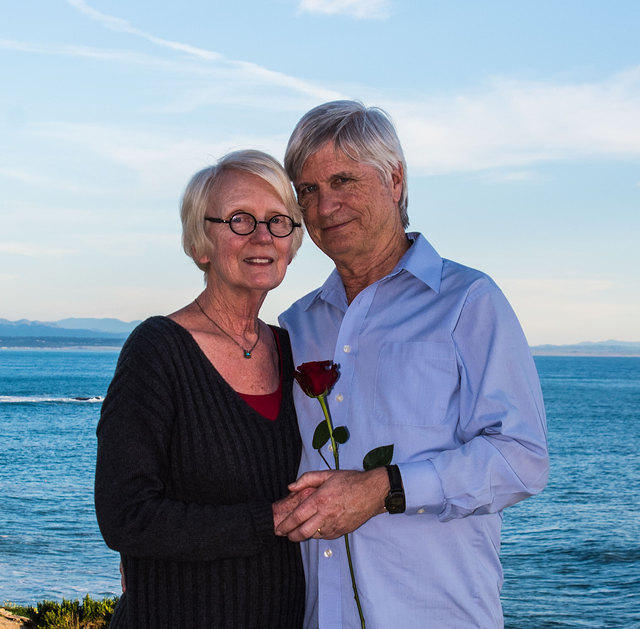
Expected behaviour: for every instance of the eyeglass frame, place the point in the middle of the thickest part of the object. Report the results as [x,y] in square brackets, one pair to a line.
[256,222]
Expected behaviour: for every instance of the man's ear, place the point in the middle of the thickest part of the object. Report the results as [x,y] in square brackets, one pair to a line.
[397,179]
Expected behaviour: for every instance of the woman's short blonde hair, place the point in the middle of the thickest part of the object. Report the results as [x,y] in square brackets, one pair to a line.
[198,196]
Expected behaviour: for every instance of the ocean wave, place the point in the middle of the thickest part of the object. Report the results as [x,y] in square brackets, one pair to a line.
[38,399]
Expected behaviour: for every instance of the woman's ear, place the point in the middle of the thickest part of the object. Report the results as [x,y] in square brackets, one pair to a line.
[203,259]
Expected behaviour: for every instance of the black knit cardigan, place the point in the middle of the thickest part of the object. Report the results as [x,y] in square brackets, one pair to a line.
[186,473]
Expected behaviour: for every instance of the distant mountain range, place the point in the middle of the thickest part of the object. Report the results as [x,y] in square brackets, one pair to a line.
[114,326]
[589,348]
[112,332]
[64,332]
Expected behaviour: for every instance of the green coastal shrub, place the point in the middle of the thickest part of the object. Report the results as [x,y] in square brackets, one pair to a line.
[90,614]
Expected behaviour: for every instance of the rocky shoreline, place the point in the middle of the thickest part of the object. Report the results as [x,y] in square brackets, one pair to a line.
[11,621]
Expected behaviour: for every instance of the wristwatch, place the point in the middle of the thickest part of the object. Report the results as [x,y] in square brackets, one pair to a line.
[395,502]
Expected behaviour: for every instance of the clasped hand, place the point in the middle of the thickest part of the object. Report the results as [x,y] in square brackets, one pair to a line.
[336,502]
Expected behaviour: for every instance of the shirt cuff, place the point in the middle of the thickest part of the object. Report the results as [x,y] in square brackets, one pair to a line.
[422,488]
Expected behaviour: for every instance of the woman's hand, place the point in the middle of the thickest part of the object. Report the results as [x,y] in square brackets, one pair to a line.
[281,509]
[122,583]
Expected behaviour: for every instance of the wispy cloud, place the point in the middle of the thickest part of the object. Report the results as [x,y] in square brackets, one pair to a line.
[100,54]
[123,26]
[499,131]
[245,69]
[511,176]
[573,309]
[32,249]
[503,127]
[360,9]
[510,124]
[573,287]
[34,179]
[162,163]
[213,83]
[133,243]
[90,243]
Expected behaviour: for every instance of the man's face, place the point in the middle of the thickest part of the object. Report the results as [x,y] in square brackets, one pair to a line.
[350,209]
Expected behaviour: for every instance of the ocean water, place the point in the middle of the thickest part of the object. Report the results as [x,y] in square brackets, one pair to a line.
[571,555]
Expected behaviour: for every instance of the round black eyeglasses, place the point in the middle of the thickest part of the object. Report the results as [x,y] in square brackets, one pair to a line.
[243,224]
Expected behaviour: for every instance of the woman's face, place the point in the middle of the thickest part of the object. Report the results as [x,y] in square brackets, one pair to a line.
[259,260]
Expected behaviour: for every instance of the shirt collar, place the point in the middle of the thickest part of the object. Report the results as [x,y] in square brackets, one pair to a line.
[331,291]
[421,260]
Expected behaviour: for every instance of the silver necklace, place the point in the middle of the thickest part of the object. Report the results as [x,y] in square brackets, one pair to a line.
[245,352]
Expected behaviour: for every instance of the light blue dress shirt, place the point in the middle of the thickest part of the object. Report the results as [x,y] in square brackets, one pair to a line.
[433,360]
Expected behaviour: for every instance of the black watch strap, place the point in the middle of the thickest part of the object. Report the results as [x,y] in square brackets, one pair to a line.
[395,500]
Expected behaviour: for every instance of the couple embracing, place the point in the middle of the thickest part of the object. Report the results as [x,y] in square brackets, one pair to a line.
[212,489]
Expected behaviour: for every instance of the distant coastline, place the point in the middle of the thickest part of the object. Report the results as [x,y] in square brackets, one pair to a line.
[54,343]
[111,344]
[110,334]
[73,333]
[613,349]
[568,354]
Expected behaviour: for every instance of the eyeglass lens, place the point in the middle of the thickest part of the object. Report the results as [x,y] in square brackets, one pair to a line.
[244,223]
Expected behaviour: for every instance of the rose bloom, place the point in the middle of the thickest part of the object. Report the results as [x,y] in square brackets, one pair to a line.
[316,378]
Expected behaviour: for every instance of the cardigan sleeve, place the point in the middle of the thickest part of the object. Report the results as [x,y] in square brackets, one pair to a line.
[134,512]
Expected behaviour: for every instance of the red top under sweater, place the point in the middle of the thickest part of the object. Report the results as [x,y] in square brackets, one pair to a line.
[267,404]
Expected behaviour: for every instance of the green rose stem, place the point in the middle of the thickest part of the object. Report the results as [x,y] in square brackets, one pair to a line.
[327,416]
[334,448]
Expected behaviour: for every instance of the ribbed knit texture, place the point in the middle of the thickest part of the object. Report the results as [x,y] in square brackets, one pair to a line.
[185,478]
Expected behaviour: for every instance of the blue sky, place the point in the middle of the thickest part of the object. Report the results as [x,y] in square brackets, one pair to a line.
[520,122]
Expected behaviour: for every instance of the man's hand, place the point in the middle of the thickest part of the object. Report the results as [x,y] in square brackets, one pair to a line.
[285,506]
[343,500]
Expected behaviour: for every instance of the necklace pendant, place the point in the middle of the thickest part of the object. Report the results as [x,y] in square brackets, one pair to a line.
[247,354]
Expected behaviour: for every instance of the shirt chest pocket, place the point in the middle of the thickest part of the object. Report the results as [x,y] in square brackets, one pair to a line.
[415,383]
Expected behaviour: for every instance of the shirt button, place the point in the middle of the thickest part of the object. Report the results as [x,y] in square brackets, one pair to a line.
[346,349]
[328,553]
[330,448]
[339,397]
[420,510]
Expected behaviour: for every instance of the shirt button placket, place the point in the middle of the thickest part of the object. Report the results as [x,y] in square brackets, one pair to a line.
[329,586]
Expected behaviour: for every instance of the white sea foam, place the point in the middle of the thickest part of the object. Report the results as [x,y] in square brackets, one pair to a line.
[21,399]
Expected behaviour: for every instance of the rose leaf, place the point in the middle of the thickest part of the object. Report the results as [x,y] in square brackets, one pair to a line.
[341,434]
[378,457]
[321,435]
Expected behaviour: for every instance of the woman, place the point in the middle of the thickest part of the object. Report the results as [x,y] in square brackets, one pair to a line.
[198,438]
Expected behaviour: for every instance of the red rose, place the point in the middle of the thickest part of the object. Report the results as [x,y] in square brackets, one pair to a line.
[317,378]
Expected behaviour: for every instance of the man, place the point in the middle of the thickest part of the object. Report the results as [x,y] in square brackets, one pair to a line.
[432,360]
